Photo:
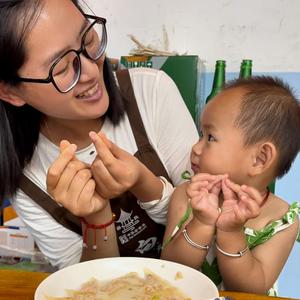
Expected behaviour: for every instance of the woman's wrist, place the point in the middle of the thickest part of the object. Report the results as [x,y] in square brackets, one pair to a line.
[101,216]
[148,186]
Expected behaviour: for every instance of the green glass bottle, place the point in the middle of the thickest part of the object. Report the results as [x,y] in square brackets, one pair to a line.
[219,79]
[246,69]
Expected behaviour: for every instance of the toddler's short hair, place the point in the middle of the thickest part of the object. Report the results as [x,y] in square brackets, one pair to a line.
[269,111]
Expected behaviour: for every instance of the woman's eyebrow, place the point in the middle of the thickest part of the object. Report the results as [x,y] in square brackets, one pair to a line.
[60,52]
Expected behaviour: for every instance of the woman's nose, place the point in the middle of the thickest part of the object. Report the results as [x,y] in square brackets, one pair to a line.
[88,67]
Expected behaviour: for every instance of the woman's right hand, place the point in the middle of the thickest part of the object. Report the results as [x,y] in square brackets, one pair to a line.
[70,183]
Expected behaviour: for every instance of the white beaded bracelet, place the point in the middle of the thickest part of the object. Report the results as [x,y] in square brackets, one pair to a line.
[238,254]
[188,239]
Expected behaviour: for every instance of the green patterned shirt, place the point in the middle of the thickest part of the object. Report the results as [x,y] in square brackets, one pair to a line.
[254,238]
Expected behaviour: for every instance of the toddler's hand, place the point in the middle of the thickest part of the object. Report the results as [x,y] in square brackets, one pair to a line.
[204,190]
[240,204]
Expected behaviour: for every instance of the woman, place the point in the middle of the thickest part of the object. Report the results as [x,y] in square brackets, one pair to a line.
[68,130]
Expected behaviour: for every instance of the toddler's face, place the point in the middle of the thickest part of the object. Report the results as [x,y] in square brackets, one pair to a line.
[220,149]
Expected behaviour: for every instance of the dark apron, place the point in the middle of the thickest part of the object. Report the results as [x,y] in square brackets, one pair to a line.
[138,234]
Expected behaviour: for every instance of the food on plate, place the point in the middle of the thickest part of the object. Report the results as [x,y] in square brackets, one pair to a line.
[129,286]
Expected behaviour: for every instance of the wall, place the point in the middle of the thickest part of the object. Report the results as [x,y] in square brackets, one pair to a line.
[265,31]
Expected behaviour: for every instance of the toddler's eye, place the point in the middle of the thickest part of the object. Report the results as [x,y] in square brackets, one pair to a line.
[200,135]
[210,138]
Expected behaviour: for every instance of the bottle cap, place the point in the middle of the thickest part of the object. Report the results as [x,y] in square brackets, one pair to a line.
[246,62]
[220,62]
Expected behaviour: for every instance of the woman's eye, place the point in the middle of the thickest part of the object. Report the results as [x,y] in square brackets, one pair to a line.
[61,71]
[200,135]
[88,41]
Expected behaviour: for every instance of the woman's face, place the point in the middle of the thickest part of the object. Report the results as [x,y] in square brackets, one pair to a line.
[59,28]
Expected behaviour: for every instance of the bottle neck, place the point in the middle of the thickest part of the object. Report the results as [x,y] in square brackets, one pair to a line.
[245,72]
[246,69]
[218,82]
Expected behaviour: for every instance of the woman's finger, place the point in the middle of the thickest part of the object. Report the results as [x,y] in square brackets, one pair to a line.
[57,168]
[103,151]
[64,144]
[78,183]
[107,186]
[66,178]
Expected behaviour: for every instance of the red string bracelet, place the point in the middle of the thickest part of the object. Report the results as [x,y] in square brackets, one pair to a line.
[95,226]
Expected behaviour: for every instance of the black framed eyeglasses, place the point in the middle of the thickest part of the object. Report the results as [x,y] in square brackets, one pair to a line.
[66,70]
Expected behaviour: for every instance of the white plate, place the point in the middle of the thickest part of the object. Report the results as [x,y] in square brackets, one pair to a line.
[193,283]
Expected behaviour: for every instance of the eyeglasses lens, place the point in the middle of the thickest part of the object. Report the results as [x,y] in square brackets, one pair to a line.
[66,72]
[95,41]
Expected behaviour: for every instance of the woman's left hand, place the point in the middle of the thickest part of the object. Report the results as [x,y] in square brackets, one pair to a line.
[114,170]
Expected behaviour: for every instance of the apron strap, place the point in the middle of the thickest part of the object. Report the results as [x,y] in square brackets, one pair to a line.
[132,109]
[146,153]
[60,214]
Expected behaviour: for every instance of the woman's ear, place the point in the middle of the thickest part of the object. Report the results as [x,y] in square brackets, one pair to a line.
[8,95]
[263,158]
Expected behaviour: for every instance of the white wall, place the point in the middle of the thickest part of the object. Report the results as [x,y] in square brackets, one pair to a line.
[266,31]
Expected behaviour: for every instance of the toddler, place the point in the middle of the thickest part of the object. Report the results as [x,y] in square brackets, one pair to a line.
[225,220]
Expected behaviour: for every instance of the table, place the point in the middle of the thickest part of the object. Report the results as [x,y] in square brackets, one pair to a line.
[21,285]
[246,296]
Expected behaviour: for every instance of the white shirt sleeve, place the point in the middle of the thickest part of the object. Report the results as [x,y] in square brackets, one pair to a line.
[158,209]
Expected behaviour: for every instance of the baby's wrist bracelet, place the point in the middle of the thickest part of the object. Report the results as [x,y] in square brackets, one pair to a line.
[87,226]
[238,254]
[192,243]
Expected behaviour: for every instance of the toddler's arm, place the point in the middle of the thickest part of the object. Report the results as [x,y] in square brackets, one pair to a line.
[189,245]
[255,270]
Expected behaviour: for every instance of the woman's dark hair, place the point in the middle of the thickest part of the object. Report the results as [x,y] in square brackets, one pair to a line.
[20,126]
[269,111]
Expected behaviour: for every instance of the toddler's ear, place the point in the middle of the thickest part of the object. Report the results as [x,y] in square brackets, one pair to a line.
[263,159]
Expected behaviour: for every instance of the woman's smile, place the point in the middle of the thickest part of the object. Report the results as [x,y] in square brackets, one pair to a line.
[92,94]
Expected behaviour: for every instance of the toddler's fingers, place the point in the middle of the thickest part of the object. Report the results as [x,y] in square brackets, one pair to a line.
[253,193]
[216,188]
[227,191]
[239,216]
[203,177]
[252,208]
